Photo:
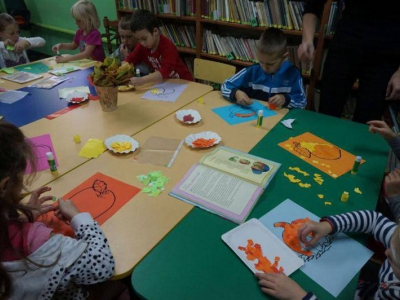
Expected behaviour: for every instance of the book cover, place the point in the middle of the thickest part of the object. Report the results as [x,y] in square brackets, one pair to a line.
[226,182]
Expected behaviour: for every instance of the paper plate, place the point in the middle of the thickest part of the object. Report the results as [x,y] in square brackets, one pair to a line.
[188,116]
[77,97]
[207,135]
[121,138]
[126,88]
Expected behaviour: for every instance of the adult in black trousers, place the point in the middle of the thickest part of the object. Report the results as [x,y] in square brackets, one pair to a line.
[366,45]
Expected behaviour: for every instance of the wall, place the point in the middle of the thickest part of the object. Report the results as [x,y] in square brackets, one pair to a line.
[52,20]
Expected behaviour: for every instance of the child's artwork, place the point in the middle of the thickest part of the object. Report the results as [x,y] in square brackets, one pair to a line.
[167,92]
[338,255]
[22,77]
[100,195]
[235,114]
[42,144]
[49,82]
[321,154]
[35,68]
[10,97]
[64,70]
[260,250]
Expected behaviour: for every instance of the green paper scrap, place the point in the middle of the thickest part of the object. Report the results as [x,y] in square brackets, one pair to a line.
[10,48]
[154,183]
[8,70]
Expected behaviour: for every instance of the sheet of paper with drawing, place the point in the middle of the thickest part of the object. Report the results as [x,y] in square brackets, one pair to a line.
[22,77]
[260,249]
[226,182]
[321,154]
[100,195]
[339,255]
[34,68]
[159,151]
[235,114]
[167,92]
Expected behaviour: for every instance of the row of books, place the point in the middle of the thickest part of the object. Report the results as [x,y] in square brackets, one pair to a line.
[334,15]
[180,35]
[285,14]
[176,7]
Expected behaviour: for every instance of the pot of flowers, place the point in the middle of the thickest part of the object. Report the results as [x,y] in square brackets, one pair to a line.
[106,77]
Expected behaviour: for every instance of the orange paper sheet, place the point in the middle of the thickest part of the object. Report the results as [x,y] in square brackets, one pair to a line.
[323,155]
[100,195]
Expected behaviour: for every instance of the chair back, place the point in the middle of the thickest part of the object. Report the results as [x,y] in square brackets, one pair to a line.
[112,35]
[213,71]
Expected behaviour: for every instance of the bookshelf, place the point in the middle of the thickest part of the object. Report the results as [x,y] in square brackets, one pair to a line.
[207,28]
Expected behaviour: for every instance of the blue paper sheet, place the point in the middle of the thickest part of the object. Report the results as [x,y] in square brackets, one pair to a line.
[235,114]
[334,261]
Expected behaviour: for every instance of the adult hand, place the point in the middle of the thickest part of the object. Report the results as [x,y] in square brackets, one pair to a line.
[382,128]
[22,45]
[316,230]
[66,210]
[277,100]
[306,51]
[280,286]
[36,202]
[393,88]
[242,98]
[392,183]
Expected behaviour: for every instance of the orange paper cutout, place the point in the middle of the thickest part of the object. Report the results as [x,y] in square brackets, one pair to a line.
[321,154]
[254,251]
[100,195]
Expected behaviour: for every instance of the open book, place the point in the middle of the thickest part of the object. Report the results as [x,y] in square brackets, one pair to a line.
[226,182]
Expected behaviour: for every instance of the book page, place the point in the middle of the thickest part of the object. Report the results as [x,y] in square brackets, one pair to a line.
[216,190]
[246,166]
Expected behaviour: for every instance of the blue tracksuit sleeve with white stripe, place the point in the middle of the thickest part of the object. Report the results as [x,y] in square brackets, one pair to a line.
[261,86]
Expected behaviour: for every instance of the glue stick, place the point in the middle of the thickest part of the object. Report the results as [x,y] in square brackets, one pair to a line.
[52,162]
[137,73]
[260,118]
[356,165]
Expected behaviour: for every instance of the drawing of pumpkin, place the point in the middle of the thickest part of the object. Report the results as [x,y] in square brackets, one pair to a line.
[320,150]
[97,197]
[289,235]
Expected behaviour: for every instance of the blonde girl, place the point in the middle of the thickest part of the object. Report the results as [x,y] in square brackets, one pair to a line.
[87,37]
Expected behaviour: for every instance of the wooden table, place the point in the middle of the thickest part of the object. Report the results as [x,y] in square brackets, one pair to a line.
[144,221]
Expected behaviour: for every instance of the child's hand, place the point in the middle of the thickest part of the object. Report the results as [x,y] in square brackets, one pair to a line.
[61,59]
[277,100]
[316,229]
[136,81]
[280,286]
[124,51]
[22,45]
[392,183]
[66,210]
[382,128]
[56,48]
[36,202]
[242,98]
[8,42]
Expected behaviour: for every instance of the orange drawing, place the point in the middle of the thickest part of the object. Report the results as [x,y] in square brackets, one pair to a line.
[323,155]
[254,251]
[290,237]
[100,195]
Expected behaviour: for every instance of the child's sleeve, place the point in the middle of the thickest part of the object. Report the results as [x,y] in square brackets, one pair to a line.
[134,57]
[395,146]
[35,41]
[96,264]
[366,221]
[231,85]
[297,96]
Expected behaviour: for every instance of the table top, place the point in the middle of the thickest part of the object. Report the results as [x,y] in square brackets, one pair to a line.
[90,122]
[144,221]
[192,262]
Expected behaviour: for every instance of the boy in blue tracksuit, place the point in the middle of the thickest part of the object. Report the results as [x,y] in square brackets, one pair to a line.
[274,79]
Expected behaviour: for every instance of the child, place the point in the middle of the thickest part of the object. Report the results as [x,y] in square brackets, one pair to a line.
[87,38]
[391,184]
[274,80]
[155,50]
[9,38]
[371,222]
[128,43]
[35,263]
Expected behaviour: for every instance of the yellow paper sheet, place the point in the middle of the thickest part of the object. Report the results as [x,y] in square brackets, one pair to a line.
[93,148]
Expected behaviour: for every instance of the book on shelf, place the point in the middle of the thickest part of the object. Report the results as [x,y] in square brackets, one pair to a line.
[226,182]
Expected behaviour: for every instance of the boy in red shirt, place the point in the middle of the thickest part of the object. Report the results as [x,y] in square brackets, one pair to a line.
[155,50]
